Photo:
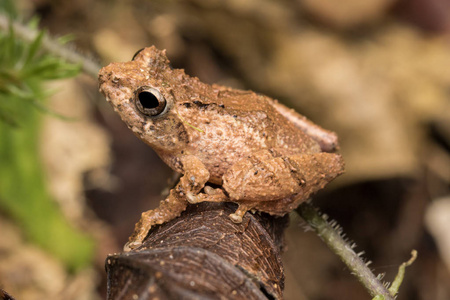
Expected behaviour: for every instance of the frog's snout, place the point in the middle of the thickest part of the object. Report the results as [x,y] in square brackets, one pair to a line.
[104,75]
[102,79]
[105,80]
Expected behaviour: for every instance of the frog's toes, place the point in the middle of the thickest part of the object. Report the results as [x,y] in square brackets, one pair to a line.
[236,218]
[191,198]
[131,245]
[216,193]
[209,190]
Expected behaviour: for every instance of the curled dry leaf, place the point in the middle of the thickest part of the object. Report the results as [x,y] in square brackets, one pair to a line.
[203,253]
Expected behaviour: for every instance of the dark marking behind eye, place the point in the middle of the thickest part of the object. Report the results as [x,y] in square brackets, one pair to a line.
[200,104]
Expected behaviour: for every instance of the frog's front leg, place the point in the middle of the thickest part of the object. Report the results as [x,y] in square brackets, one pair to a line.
[194,178]
[268,176]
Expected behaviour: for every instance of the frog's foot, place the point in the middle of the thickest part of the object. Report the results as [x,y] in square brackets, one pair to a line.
[140,231]
[168,209]
[131,245]
[210,195]
[218,195]
[200,197]
[191,198]
[237,216]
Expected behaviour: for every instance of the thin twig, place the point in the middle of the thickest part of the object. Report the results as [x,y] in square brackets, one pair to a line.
[50,45]
[395,286]
[339,246]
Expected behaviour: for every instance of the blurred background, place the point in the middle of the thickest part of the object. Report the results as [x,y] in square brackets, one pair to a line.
[377,72]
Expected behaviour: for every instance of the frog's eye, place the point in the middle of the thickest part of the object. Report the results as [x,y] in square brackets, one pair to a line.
[149,101]
[136,54]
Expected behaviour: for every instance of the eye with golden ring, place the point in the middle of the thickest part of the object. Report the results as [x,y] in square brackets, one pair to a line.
[150,101]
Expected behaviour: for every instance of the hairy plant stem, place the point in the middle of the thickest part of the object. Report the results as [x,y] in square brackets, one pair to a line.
[50,45]
[327,232]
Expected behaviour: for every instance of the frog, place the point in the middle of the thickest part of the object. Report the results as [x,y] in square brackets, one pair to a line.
[229,145]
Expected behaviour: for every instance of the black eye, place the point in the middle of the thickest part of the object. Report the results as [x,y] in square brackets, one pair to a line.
[139,51]
[149,101]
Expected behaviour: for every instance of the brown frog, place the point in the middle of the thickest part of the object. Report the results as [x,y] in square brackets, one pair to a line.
[254,150]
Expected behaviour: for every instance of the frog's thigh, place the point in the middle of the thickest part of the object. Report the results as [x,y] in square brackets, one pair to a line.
[316,170]
[264,177]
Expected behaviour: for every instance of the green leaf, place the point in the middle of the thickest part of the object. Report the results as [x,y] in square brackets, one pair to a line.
[24,196]
[9,7]
[33,48]
[24,68]
[66,38]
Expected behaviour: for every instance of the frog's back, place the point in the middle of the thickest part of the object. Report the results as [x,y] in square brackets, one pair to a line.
[230,124]
[257,113]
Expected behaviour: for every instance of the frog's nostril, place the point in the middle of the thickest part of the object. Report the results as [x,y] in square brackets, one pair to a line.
[101,78]
[104,77]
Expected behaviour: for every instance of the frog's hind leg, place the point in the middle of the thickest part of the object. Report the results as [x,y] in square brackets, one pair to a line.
[266,176]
